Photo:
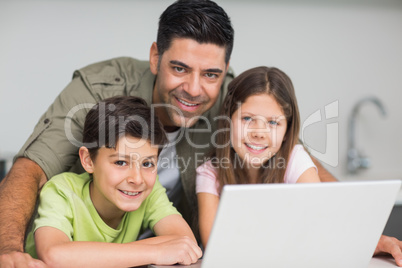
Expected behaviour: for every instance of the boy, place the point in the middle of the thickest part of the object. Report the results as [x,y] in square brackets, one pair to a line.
[94,218]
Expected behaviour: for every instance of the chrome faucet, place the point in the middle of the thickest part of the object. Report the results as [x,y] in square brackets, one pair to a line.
[357,161]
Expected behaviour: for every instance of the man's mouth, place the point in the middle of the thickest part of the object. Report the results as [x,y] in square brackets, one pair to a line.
[187,103]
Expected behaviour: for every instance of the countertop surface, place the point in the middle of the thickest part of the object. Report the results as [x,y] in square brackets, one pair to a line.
[376,262]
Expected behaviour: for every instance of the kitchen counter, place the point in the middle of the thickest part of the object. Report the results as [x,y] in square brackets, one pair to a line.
[376,262]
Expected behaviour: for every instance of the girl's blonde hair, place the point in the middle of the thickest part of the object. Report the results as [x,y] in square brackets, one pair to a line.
[259,80]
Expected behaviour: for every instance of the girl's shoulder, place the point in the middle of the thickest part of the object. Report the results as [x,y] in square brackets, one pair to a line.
[298,152]
[207,167]
[298,147]
[299,161]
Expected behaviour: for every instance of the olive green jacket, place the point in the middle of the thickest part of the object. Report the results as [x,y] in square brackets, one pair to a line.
[55,141]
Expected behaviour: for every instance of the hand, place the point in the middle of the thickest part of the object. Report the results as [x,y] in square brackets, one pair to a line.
[392,246]
[181,250]
[17,259]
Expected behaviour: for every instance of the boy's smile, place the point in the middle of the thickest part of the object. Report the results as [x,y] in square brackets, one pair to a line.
[122,177]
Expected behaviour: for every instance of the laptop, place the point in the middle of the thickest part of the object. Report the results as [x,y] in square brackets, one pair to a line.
[335,224]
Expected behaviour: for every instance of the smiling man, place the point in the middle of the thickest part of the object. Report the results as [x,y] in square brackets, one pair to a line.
[188,78]
[185,82]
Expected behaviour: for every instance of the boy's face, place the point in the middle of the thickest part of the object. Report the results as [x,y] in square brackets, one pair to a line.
[123,177]
[188,80]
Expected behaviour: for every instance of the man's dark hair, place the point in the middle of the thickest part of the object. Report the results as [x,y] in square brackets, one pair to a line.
[201,20]
[115,117]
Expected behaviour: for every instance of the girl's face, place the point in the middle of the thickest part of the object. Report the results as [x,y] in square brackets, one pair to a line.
[258,129]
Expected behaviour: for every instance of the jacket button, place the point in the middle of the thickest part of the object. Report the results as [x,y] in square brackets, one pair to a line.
[117,79]
[46,121]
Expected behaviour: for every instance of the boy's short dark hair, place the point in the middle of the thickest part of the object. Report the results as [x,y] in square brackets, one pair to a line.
[201,20]
[115,117]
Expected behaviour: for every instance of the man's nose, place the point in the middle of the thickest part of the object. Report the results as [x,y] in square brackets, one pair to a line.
[193,85]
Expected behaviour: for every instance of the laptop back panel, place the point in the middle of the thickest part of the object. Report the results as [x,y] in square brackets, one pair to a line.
[303,225]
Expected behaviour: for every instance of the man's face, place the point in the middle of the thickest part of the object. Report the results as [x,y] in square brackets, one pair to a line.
[188,80]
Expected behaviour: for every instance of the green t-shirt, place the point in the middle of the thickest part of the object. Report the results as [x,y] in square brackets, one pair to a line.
[65,204]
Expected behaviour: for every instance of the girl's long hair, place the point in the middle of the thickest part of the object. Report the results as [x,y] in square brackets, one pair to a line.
[259,80]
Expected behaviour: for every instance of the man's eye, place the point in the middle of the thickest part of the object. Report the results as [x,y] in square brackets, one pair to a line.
[148,164]
[179,69]
[247,118]
[273,123]
[211,75]
[121,163]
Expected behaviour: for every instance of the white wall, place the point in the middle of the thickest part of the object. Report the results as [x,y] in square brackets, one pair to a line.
[333,51]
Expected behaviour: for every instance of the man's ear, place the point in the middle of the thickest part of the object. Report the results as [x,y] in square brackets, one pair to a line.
[86,160]
[154,58]
[227,66]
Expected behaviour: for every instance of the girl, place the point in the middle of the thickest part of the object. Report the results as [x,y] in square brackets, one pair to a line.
[261,112]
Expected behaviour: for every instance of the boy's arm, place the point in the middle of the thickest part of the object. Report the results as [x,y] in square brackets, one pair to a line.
[175,245]
[56,250]
[173,225]
[177,241]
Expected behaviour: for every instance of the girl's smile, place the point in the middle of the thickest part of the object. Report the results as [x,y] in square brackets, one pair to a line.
[255,148]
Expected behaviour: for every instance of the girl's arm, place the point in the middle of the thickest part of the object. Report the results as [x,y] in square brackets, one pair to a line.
[176,244]
[310,175]
[324,174]
[207,207]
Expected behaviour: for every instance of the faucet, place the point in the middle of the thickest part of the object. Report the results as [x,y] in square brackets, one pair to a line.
[357,161]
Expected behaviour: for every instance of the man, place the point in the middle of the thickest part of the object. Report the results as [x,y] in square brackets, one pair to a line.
[185,81]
